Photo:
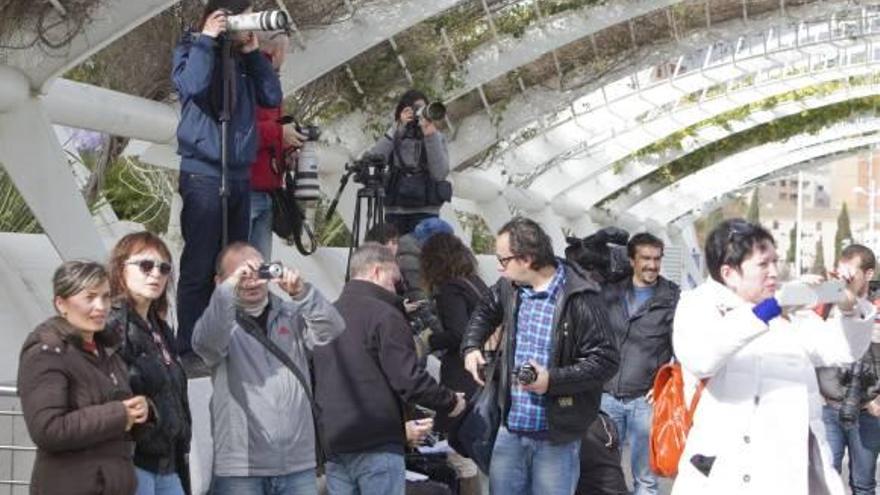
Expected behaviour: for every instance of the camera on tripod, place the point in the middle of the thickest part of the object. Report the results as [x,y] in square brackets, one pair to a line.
[369,171]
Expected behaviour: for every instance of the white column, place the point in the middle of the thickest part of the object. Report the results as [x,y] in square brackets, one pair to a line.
[34,160]
[798,259]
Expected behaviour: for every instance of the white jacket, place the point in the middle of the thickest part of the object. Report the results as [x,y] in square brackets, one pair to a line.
[762,401]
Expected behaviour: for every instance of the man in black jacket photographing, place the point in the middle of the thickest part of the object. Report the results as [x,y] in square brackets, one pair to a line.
[364,378]
[555,331]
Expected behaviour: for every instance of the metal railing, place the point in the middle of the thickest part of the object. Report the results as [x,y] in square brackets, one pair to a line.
[16,446]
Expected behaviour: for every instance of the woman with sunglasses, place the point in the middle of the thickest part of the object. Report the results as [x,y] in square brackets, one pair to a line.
[140,272]
[77,404]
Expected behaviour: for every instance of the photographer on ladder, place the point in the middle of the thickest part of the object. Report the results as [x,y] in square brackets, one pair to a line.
[198,75]
[418,161]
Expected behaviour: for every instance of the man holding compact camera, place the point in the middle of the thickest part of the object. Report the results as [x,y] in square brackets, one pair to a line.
[557,353]
[200,77]
[262,423]
[418,162]
[851,411]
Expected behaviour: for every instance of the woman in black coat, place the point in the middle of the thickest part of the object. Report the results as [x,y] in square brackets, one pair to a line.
[140,272]
[449,274]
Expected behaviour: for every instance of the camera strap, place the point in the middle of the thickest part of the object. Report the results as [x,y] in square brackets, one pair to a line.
[250,325]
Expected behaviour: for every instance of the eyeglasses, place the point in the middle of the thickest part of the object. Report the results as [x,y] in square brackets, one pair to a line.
[506,259]
[147,266]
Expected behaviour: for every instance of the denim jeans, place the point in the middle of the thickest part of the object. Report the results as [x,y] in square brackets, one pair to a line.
[261,223]
[524,466]
[201,223]
[298,483]
[633,420]
[369,473]
[862,460]
[157,484]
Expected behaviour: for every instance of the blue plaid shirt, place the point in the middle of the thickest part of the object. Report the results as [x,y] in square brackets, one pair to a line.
[534,337]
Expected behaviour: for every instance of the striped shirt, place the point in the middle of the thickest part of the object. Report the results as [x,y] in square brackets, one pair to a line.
[534,340]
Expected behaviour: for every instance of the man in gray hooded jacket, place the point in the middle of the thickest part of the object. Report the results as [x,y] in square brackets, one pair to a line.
[264,439]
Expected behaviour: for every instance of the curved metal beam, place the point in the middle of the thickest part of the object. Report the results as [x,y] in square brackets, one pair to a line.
[591,191]
[496,58]
[110,21]
[328,48]
[673,201]
[611,138]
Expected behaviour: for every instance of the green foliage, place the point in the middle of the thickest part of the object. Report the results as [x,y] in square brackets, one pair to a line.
[754,214]
[843,236]
[792,244]
[140,193]
[819,261]
[15,215]
[482,238]
[330,232]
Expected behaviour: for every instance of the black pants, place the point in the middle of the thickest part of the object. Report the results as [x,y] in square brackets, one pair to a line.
[601,473]
[202,228]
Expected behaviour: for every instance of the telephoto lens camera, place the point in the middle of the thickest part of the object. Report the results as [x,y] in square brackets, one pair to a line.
[433,111]
[270,20]
[526,374]
[269,271]
[856,379]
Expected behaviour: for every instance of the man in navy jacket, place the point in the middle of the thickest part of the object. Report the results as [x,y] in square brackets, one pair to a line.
[198,77]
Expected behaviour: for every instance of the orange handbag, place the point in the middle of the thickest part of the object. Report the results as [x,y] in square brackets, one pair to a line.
[672,419]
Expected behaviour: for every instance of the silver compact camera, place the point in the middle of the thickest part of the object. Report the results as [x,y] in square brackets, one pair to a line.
[270,271]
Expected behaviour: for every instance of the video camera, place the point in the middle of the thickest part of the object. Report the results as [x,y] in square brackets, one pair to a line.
[603,254]
[369,171]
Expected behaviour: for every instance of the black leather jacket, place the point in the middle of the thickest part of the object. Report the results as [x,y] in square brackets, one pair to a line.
[162,443]
[583,358]
[644,339]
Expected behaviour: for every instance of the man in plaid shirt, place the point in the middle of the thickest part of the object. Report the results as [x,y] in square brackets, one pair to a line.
[553,320]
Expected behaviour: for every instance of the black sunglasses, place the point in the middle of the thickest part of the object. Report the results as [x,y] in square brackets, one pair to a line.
[147,266]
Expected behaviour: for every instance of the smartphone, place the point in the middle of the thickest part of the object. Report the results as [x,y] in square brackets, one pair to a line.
[799,293]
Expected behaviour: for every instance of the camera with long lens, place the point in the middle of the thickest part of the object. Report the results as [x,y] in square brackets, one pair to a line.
[307,186]
[526,374]
[269,271]
[856,380]
[433,112]
[269,20]
[369,170]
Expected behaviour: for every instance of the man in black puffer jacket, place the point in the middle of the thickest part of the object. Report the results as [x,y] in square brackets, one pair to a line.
[553,320]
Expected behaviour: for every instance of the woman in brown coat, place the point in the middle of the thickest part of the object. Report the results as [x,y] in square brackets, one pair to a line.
[75,394]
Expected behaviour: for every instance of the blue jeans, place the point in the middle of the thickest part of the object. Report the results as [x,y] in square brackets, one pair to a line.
[862,460]
[157,484]
[380,473]
[298,483]
[201,223]
[633,420]
[524,466]
[261,223]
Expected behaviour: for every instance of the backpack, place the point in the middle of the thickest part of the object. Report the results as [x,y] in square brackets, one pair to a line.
[672,419]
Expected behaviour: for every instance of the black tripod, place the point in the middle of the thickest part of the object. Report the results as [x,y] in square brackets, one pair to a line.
[371,197]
